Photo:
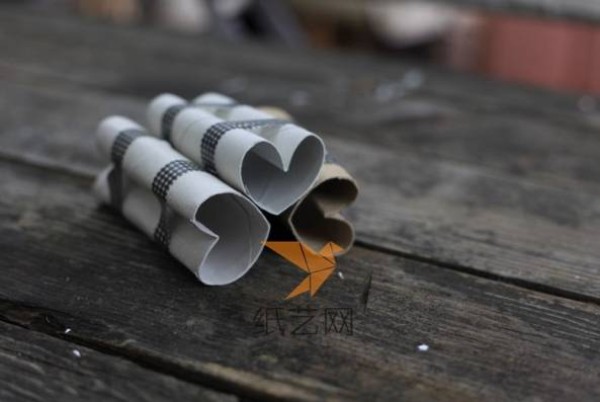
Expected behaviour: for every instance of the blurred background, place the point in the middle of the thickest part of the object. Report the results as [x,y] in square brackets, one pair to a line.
[547,43]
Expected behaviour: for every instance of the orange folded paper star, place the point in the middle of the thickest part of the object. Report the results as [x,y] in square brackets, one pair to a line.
[319,266]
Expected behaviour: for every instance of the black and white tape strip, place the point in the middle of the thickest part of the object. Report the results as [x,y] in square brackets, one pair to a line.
[162,232]
[167,120]
[167,175]
[211,138]
[168,117]
[115,177]
[161,183]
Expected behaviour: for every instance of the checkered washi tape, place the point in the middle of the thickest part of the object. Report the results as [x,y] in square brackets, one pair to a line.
[215,132]
[122,143]
[162,234]
[171,113]
[163,180]
[117,152]
[168,174]
[167,120]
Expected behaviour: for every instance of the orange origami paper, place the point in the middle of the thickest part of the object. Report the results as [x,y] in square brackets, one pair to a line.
[319,266]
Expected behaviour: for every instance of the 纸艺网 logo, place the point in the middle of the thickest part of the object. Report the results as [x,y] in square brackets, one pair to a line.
[319,265]
[305,320]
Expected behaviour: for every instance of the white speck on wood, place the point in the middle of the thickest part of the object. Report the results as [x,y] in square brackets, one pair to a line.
[67,330]
[423,347]
[76,353]
[341,275]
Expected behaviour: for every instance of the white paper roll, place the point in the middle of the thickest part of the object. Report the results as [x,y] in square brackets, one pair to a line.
[212,229]
[273,162]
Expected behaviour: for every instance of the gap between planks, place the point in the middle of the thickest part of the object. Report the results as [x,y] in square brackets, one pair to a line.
[80,173]
[248,387]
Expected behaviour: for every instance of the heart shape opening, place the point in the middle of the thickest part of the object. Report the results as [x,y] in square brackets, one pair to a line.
[316,220]
[273,188]
[232,254]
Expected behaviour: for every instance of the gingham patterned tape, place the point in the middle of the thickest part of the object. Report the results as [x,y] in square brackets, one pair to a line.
[122,142]
[168,174]
[212,136]
[163,180]
[162,233]
[166,127]
[115,177]
[167,120]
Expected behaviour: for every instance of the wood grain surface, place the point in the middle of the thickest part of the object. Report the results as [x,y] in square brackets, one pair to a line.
[69,264]
[472,191]
[37,367]
[478,225]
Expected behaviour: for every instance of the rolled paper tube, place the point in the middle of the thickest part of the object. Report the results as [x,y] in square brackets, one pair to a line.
[270,160]
[316,219]
[212,229]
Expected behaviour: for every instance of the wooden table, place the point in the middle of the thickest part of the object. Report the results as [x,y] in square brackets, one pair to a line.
[478,232]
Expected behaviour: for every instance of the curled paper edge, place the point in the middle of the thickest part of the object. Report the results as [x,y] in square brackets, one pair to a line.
[325,201]
[139,204]
[270,195]
[331,174]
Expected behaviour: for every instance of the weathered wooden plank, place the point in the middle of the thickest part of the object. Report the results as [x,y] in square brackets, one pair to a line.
[37,367]
[520,131]
[479,220]
[58,124]
[67,264]
[325,70]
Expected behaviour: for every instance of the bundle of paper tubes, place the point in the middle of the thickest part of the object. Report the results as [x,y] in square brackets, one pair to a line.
[206,175]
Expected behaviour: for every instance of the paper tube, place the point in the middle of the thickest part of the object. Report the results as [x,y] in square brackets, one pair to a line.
[212,229]
[272,161]
[316,218]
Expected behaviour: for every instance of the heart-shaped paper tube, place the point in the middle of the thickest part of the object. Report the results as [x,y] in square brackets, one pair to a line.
[315,219]
[211,228]
[272,161]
